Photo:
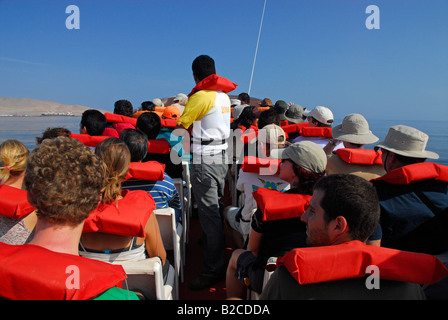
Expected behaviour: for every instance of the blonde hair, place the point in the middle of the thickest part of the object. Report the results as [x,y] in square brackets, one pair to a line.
[13,157]
[116,158]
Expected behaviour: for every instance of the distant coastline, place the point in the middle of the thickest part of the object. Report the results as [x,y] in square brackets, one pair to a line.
[26,107]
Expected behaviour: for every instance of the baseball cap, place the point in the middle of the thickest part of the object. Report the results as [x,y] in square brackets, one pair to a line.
[272,134]
[171,112]
[321,114]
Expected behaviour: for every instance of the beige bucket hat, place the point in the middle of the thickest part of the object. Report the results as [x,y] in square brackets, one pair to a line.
[355,129]
[408,142]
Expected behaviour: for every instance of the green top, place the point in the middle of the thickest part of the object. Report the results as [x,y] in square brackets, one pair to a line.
[117,294]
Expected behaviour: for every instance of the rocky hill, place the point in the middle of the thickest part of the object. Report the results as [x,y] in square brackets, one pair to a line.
[33,107]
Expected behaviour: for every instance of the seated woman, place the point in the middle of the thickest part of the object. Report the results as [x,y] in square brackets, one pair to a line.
[123,226]
[17,216]
[303,164]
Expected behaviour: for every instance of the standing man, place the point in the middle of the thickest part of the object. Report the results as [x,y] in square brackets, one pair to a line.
[207,117]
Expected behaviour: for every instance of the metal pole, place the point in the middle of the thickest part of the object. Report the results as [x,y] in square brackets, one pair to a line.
[256,49]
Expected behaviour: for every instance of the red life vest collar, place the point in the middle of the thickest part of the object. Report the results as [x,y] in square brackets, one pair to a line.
[416,172]
[276,205]
[359,156]
[324,132]
[160,146]
[261,166]
[118,118]
[216,83]
[305,130]
[30,272]
[128,217]
[14,203]
[350,260]
[150,170]
[296,127]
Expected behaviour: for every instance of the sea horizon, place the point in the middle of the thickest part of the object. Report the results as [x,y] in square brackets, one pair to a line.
[27,128]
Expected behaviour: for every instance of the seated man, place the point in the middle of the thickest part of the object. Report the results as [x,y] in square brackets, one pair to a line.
[124,108]
[94,123]
[320,117]
[353,158]
[343,212]
[413,193]
[151,125]
[163,192]
[64,180]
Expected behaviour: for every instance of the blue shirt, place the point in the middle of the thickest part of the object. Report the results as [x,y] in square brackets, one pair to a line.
[163,192]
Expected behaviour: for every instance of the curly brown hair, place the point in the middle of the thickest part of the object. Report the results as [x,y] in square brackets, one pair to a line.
[64,180]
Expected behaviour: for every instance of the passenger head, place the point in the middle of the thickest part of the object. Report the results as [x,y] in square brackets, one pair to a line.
[244,98]
[94,122]
[116,157]
[248,117]
[124,107]
[150,124]
[269,116]
[50,133]
[148,106]
[303,164]
[270,137]
[171,112]
[181,98]
[13,157]
[354,132]
[137,143]
[320,117]
[404,145]
[64,180]
[344,207]
[203,66]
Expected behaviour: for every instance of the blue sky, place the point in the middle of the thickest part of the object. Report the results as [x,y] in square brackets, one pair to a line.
[311,52]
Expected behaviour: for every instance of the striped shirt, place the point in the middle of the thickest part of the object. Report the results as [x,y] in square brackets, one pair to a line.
[163,192]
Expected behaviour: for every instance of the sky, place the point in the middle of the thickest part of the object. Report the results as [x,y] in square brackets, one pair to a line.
[310,52]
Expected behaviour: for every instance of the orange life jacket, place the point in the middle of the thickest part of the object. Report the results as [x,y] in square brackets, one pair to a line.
[276,205]
[124,217]
[359,156]
[160,146]
[296,127]
[304,130]
[247,135]
[416,172]
[150,170]
[14,203]
[262,166]
[30,272]
[214,82]
[350,260]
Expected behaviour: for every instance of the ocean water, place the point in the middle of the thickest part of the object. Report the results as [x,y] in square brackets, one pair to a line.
[26,129]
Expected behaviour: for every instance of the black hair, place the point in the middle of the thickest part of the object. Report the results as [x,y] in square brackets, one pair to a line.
[244,98]
[137,143]
[150,124]
[246,118]
[203,66]
[269,116]
[148,106]
[352,197]
[94,121]
[123,107]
